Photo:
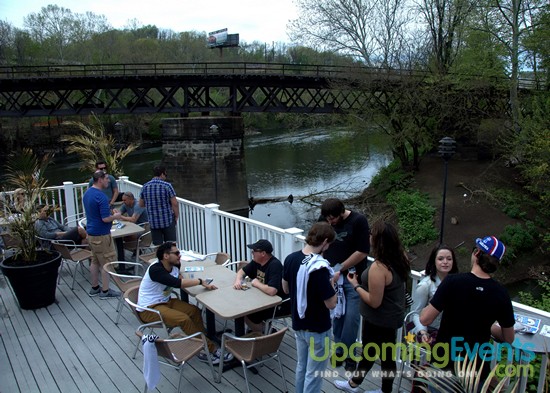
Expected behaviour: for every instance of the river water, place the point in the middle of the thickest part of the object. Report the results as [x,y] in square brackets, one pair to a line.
[312,163]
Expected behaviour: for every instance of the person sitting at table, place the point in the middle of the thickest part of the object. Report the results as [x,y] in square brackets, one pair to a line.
[442,262]
[266,273]
[134,213]
[155,290]
[472,302]
[49,228]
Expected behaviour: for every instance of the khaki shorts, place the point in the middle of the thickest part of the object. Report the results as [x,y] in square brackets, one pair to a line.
[103,249]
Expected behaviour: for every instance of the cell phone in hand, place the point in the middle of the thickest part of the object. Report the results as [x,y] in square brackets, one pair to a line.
[351,272]
[208,281]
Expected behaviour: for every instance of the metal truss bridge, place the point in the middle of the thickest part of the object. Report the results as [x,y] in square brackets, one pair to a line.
[184,88]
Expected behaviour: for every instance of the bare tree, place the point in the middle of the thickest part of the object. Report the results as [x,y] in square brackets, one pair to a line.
[445,21]
[368,29]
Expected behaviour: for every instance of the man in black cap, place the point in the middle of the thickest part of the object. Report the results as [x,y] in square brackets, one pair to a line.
[266,273]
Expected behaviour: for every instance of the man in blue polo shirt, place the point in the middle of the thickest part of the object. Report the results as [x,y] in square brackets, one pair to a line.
[98,225]
[159,198]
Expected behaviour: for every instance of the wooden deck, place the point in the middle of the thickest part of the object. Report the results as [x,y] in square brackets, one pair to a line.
[74,346]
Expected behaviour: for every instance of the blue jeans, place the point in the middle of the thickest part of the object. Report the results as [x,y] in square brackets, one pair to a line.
[346,327]
[309,376]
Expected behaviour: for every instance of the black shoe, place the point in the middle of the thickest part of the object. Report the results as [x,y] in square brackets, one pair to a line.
[350,365]
[124,270]
[337,363]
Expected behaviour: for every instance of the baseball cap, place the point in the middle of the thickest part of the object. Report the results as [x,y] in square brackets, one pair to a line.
[490,245]
[263,245]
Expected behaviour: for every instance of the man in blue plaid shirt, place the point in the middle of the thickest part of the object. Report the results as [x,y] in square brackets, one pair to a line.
[159,198]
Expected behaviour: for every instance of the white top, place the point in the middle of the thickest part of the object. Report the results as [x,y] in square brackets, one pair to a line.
[425,291]
[153,292]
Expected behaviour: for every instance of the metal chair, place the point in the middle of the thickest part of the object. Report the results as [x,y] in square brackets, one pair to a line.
[248,349]
[179,350]
[131,298]
[44,243]
[281,318]
[73,219]
[77,254]
[134,241]
[146,251]
[235,266]
[416,353]
[124,281]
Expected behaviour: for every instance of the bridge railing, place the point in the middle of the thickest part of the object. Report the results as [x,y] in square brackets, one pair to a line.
[214,68]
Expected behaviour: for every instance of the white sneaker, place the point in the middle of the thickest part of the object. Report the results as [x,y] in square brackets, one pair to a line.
[374,391]
[344,385]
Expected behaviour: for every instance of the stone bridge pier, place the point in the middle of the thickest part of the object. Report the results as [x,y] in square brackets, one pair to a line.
[204,158]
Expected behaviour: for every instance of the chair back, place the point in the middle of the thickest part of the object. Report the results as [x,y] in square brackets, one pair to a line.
[222,258]
[124,281]
[9,240]
[257,345]
[131,298]
[63,250]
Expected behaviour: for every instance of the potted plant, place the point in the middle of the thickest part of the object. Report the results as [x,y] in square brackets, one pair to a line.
[31,272]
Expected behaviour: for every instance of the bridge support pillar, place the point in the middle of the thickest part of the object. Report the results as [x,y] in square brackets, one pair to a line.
[204,158]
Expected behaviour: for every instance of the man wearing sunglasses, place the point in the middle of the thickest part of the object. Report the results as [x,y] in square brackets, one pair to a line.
[155,292]
[111,191]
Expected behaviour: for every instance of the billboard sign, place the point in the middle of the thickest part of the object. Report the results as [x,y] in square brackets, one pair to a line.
[217,38]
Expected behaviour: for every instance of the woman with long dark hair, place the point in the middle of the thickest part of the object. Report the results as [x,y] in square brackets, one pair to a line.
[442,262]
[382,305]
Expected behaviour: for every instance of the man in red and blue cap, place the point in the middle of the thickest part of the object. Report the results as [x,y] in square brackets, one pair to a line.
[472,302]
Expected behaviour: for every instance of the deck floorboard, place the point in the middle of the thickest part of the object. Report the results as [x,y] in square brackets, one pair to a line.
[75,346]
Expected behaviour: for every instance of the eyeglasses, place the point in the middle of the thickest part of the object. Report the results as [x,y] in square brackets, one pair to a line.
[175,252]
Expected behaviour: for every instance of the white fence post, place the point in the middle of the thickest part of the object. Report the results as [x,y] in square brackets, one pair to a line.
[70,208]
[290,242]
[211,230]
[122,182]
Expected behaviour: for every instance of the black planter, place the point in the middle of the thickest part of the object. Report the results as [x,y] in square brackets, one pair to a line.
[34,284]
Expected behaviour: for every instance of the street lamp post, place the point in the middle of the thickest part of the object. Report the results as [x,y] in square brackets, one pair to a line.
[214,131]
[446,150]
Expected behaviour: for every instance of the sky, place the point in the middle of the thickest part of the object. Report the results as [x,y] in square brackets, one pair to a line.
[260,20]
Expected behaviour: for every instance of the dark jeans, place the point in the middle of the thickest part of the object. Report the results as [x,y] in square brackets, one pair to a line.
[161,235]
[375,336]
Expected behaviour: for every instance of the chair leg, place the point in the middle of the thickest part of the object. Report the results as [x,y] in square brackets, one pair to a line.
[74,274]
[135,353]
[245,376]
[181,376]
[59,271]
[119,309]
[282,373]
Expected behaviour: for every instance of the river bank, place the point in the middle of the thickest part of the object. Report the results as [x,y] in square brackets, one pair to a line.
[478,192]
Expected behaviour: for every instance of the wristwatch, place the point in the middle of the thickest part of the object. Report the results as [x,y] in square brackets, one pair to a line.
[200,281]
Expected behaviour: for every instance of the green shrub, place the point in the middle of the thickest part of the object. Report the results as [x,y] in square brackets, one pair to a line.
[392,176]
[415,216]
[518,238]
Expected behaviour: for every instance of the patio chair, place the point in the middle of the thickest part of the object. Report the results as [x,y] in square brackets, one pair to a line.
[73,219]
[10,242]
[221,258]
[44,243]
[179,350]
[413,348]
[76,254]
[124,281]
[278,319]
[131,298]
[235,266]
[146,251]
[252,350]
[132,244]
